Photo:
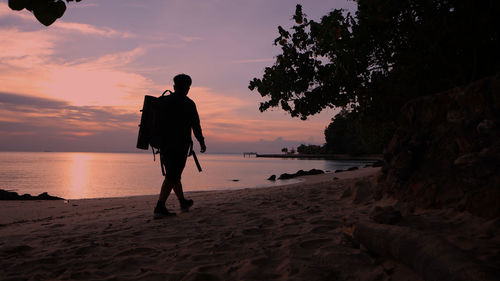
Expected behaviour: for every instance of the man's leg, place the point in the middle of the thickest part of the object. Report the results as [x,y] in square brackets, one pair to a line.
[160,209]
[185,203]
[177,186]
[166,188]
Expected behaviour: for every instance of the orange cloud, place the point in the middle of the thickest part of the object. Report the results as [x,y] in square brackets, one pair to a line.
[77,133]
[26,67]
[222,120]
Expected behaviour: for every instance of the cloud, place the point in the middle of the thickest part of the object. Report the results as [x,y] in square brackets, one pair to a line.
[84,92]
[88,29]
[25,48]
[223,121]
[27,66]
[190,39]
[94,83]
[63,26]
[120,59]
[30,101]
[52,121]
[254,60]
[5,11]
[82,5]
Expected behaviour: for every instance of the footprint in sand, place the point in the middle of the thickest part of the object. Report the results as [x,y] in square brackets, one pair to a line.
[314,243]
[333,223]
[253,231]
[136,251]
[323,229]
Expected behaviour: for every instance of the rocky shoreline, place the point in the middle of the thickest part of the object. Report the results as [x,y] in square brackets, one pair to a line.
[11,195]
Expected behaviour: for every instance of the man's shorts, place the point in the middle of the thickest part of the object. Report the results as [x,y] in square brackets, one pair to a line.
[174,161]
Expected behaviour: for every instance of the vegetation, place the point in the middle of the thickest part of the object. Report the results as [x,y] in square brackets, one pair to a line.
[371,63]
[45,11]
[310,149]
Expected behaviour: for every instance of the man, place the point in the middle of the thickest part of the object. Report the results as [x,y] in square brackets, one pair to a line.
[178,117]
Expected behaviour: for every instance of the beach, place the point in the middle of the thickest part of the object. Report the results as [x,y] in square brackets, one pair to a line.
[292,232]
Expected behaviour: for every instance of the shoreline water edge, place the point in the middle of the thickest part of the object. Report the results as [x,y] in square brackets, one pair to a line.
[97,175]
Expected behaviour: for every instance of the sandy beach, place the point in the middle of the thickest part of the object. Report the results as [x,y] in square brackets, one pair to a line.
[292,232]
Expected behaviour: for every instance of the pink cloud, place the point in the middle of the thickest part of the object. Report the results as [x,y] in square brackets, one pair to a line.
[255,60]
[90,29]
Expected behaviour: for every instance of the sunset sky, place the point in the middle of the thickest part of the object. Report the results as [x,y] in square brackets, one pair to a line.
[79,84]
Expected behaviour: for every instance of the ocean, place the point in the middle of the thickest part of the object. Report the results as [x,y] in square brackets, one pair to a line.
[102,175]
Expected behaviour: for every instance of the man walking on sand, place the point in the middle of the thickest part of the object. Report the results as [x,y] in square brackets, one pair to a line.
[178,117]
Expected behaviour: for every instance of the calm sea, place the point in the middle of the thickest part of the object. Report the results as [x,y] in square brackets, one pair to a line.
[97,175]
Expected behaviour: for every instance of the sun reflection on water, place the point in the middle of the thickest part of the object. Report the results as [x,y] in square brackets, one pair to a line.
[79,174]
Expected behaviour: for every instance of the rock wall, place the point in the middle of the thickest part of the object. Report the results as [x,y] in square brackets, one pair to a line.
[446,151]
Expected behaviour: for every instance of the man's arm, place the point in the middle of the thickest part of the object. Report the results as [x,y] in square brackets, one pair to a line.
[197,130]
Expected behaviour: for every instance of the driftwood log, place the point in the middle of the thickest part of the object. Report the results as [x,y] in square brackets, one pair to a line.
[431,257]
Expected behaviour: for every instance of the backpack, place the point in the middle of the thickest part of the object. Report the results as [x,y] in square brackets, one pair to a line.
[150,128]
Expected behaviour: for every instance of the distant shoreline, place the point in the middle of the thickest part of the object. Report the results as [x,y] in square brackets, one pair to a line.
[371,157]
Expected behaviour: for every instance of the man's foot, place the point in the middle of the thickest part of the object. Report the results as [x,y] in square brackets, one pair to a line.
[162,212]
[186,204]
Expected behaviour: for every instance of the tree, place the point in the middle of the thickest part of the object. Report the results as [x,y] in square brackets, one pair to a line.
[310,149]
[372,63]
[284,150]
[45,11]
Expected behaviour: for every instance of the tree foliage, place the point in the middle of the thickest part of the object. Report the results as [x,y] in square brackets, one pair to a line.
[310,149]
[45,11]
[373,62]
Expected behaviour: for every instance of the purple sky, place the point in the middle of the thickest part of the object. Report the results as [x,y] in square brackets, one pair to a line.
[78,85]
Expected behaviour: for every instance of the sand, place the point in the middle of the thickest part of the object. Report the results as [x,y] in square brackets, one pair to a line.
[292,232]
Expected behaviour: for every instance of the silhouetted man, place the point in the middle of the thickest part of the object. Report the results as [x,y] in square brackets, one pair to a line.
[178,117]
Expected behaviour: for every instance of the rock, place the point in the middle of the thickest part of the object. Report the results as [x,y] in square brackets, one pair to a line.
[467,160]
[352,168]
[272,178]
[347,193]
[385,215]
[300,173]
[339,171]
[315,172]
[378,163]
[454,116]
[485,127]
[362,191]
[285,176]
[46,196]
[485,202]
[446,150]
[432,257]
[10,195]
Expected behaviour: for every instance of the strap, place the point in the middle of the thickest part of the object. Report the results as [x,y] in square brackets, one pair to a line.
[191,153]
[162,162]
[161,159]
[165,92]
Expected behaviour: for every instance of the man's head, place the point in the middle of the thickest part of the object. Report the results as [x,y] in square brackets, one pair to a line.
[182,83]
